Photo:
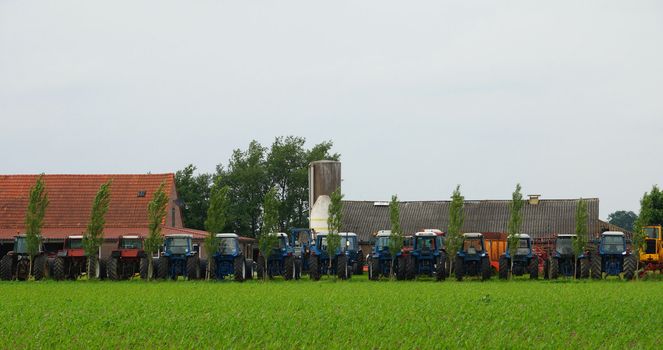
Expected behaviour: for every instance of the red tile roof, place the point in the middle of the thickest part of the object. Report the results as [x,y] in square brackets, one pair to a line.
[71,199]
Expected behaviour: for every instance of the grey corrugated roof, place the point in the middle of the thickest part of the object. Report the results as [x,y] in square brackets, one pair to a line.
[548,217]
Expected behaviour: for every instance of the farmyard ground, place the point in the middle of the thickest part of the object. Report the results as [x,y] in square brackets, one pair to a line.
[359,314]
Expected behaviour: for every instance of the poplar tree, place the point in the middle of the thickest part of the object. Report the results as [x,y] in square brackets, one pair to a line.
[94,235]
[156,212]
[270,225]
[216,221]
[454,236]
[581,232]
[515,223]
[334,221]
[396,237]
[34,218]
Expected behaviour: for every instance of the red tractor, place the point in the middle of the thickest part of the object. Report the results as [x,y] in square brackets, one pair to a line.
[128,259]
[71,262]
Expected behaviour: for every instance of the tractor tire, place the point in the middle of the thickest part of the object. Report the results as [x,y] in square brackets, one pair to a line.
[203,268]
[596,272]
[193,268]
[211,265]
[249,270]
[440,269]
[59,269]
[485,269]
[298,269]
[534,268]
[261,267]
[410,268]
[92,263]
[6,268]
[459,268]
[629,267]
[111,269]
[584,268]
[239,268]
[102,269]
[314,270]
[401,267]
[40,267]
[546,269]
[342,266]
[162,267]
[504,267]
[554,269]
[360,264]
[142,268]
[289,268]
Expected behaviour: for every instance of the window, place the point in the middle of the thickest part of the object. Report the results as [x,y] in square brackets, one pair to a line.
[227,246]
[651,232]
[131,243]
[472,245]
[382,243]
[349,242]
[425,243]
[177,245]
[74,243]
[564,246]
[21,245]
[613,244]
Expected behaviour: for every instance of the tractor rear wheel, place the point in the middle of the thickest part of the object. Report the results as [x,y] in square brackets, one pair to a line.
[440,271]
[485,269]
[584,268]
[193,268]
[629,267]
[111,269]
[410,268]
[249,270]
[554,268]
[504,267]
[534,268]
[239,268]
[40,267]
[162,267]
[597,274]
[59,269]
[459,268]
[261,267]
[546,269]
[342,266]
[6,268]
[142,268]
[314,270]
[289,268]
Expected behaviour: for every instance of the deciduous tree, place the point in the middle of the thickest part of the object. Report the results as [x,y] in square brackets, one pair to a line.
[34,218]
[156,212]
[270,225]
[515,222]
[396,238]
[94,235]
[454,236]
[582,231]
[334,223]
[216,221]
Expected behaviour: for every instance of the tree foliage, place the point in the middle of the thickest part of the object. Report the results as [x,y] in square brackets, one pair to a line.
[582,230]
[454,236]
[396,238]
[217,219]
[268,238]
[651,213]
[94,235]
[334,223]
[515,222]
[624,219]
[194,191]
[156,213]
[34,217]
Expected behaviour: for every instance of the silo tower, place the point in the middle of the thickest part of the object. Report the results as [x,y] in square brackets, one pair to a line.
[324,177]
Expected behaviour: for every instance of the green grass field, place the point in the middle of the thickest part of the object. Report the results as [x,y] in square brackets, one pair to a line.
[358,314]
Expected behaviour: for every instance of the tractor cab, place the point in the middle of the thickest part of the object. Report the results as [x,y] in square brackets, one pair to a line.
[613,243]
[20,245]
[382,240]
[177,244]
[300,240]
[228,244]
[128,247]
[426,244]
[564,245]
[73,246]
[524,248]
[473,246]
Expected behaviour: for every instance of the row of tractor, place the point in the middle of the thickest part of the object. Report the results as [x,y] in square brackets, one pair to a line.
[427,256]
[304,252]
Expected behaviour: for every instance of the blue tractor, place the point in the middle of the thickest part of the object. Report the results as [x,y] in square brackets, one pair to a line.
[229,259]
[339,263]
[612,257]
[301,240]
[472,258]
[427,257]
[380,260]
[525,260]
[178,258]
[564,262]
[281,260]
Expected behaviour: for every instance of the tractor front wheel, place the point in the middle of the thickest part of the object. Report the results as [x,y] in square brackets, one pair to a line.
[59,269]
[289,268]
[401,266]
[240,268]
[554,268]
[6,268]
[504,267]
[534,268]
[410,268]
[193,268]
[459,268]
[162,266]
[314,270]
[546,269]
[597,274]
[629,267]
[440,271]
[142,268]
[342,266]
[485,269]
[40,267]
[111,269]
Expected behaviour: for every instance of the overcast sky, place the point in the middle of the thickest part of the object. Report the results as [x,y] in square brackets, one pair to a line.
[418,96]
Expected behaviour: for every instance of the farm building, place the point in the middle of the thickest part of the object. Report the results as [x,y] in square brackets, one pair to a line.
[71,198]
[542,218]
